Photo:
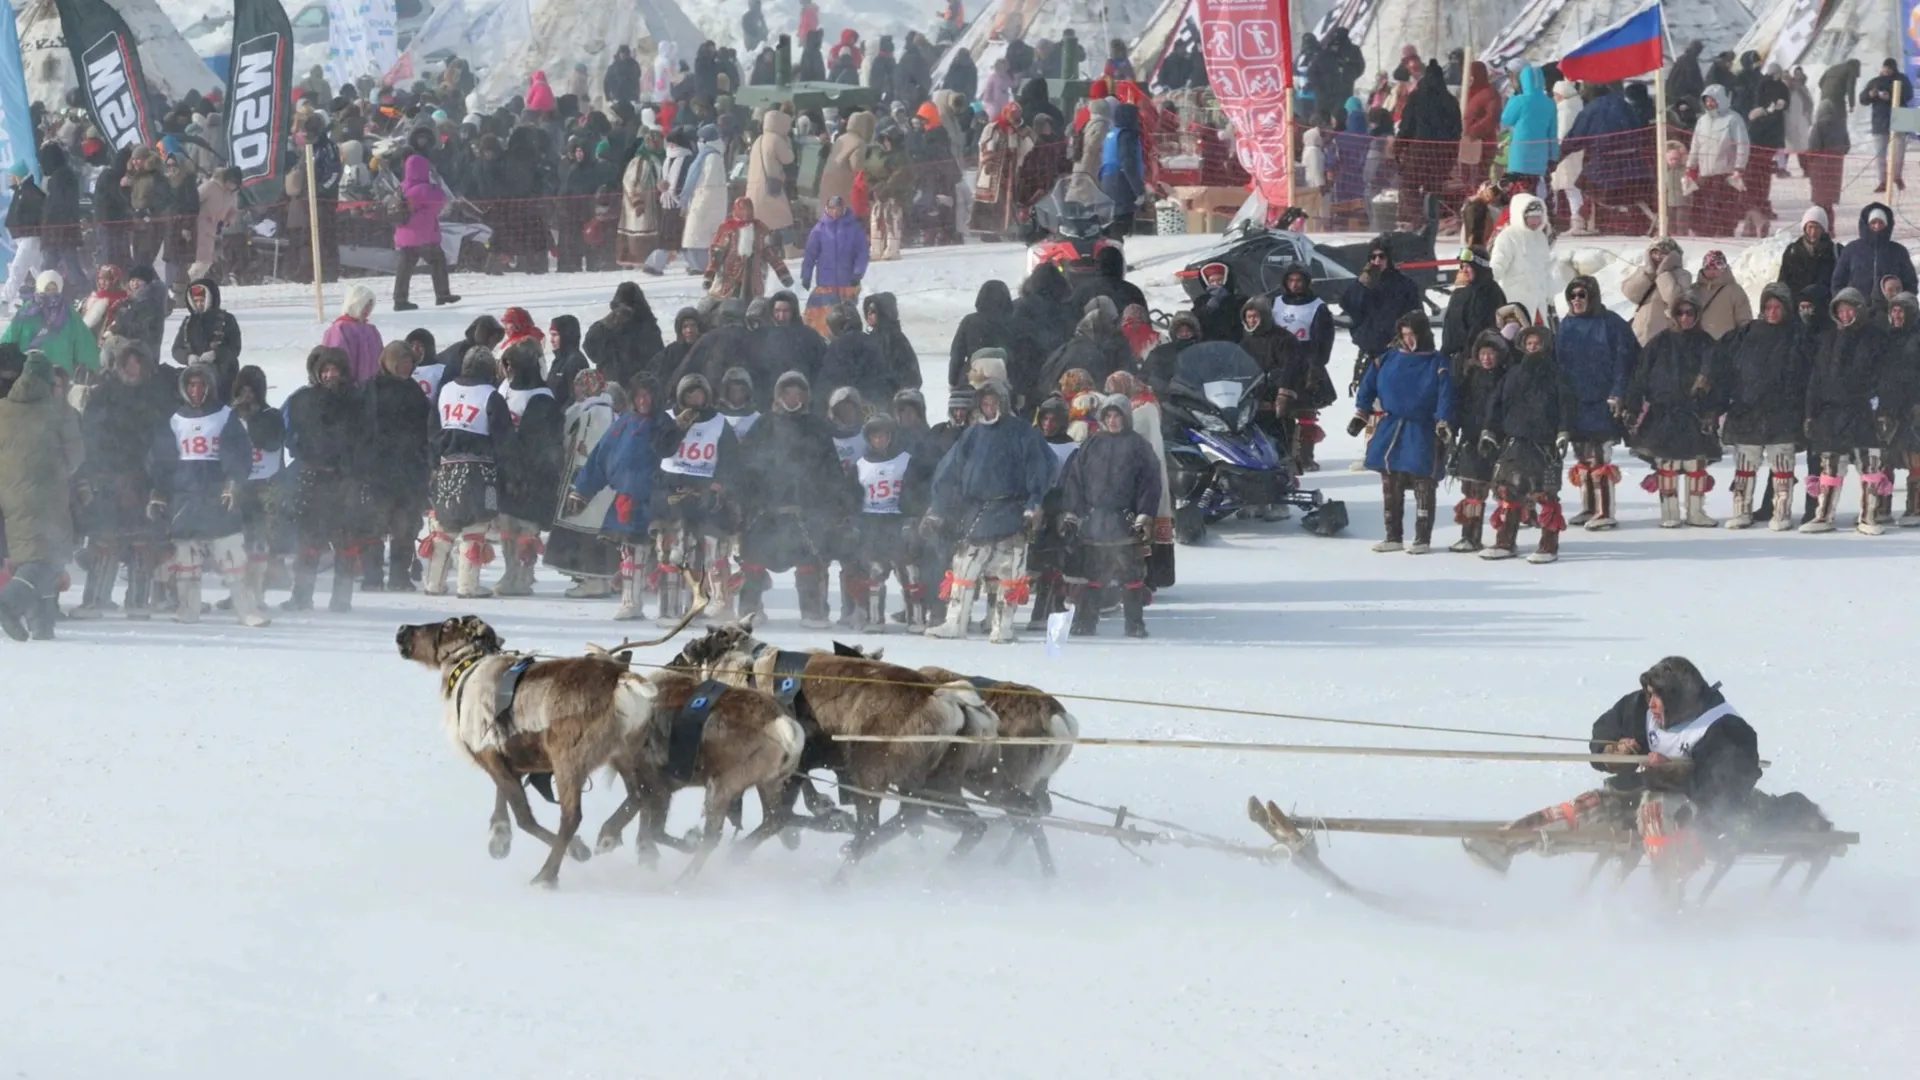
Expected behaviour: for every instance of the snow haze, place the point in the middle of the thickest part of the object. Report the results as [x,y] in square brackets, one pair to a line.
[237,853]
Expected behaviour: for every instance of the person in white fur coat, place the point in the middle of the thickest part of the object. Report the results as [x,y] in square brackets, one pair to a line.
[1522,257]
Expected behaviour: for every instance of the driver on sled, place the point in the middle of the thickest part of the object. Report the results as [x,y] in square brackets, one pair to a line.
[1702,763]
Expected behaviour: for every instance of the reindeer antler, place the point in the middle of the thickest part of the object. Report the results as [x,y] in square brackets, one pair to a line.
[628,644]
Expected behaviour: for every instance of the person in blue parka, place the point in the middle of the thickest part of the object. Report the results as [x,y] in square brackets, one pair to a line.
[621,462]
[1598,350]
[1413,388]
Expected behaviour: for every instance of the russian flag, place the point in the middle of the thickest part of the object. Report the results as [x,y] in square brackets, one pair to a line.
[1632,46]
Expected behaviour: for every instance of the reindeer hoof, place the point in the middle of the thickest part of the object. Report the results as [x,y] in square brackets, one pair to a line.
[649,857]
[577,849]
[544,881]
[836,821]
[606,843]
[499,841]
[790,839]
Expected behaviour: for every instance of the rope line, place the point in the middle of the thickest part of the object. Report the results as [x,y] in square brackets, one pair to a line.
[1266,748]
[1225,710]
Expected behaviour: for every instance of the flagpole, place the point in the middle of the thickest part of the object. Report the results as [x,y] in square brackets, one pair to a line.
[1660,139]
[1286,125]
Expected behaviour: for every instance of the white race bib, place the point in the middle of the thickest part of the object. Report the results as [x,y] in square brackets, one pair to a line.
[1296,319]
[198,437]
[743,424]
[882,481]
[464,408]
[265,465]
[429,378]
[1063,450]
[518,400]
[849,448]
[699,449]
[1677,743]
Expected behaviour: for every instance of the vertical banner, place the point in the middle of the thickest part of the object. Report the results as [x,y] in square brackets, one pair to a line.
[361,39]
[1248,46]
[259,97]
[1908,12]
[16,127]
[106,60]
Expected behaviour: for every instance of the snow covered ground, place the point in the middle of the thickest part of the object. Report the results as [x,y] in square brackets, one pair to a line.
[233,853]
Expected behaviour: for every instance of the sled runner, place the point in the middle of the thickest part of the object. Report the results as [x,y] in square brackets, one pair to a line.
[1787,850]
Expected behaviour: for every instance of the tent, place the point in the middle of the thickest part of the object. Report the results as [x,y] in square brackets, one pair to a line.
[569,32]
[171,65]
[1381,27]
[1549,29]
[1094,22]
[1818,33]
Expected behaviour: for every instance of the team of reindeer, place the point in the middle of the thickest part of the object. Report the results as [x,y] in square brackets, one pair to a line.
[773,723]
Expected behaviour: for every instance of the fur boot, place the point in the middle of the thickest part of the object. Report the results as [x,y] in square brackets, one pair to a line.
[1393,506]
[1826,491]
[1874,488]
[400,564]
[1506,529]
[1582,474]
[139,582]
[1746,468]
[1470,514]
[1781,477]
[1666,484]
[1606,480]
[240,591]
[1423,507]
[346,560]
[1086,609]
[186,595]
[306,571]
[1911,517]
[1553,522]
[958,590]
[876,599]
[810,582]
[439,550]
[96,597]
[1134,603]
[474,553]
[633,581]
[1699,482]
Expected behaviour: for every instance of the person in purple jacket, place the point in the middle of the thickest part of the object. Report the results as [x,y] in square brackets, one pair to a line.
[418,237]
[353,332]
[835,261]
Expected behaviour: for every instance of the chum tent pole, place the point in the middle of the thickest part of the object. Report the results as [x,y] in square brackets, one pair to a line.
[313,238]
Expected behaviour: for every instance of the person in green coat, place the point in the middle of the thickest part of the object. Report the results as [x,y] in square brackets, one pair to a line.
[40,451]
[47,323]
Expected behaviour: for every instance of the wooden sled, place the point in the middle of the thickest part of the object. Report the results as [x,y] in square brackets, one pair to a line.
[1622,848]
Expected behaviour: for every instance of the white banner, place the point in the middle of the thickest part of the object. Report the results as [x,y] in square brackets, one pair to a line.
[361,39]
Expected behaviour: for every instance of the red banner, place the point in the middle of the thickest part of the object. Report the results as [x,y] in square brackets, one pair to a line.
[1248,46]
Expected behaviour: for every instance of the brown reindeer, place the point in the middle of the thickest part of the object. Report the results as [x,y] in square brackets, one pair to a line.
[568,717]
[747,742]
[1015,778]
[854,695]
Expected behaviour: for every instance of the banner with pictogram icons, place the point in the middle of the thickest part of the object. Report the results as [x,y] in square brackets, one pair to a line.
[1248,46]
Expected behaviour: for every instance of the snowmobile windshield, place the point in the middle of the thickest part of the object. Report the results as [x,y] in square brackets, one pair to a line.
[1075,209]
[1217,372]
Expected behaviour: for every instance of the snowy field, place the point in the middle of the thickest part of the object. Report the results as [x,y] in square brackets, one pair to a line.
[240,854]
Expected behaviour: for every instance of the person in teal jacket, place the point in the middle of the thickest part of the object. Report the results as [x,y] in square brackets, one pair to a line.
[47,322]
[1534,120]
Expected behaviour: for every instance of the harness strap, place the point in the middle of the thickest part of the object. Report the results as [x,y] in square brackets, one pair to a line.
[505,690]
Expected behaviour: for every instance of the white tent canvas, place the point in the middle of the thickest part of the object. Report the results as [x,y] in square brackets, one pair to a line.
[1382,27]
[1818,33]
[1094,22]
[569,32]
[1547,30]
[172,67]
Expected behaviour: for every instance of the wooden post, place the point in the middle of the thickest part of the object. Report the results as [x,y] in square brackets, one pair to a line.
[313,239]
[1466,82]
[1286,125]
[1660,142]
[1894,141]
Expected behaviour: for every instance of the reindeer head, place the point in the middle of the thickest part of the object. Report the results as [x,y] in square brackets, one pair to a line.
[435,645]
[731,645]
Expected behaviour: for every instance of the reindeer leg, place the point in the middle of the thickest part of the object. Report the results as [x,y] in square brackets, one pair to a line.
[565,842]
[720,802]
[629,808]
[500,832]
[776,818]
[653,825]
[866,825]
[1041,849]
[509,788]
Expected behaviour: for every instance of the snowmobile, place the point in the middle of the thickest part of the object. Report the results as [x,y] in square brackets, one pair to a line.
[1219,463]
[1256,257]
[1071,221]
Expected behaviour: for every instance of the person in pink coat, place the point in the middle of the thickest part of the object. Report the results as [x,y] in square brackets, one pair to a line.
[539,94]
[418,237]
[357,337]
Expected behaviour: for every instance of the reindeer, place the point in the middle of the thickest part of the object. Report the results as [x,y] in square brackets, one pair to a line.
[853,695]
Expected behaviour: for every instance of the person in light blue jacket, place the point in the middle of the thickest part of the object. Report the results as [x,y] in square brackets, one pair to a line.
[1535,122]
[1123,167]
